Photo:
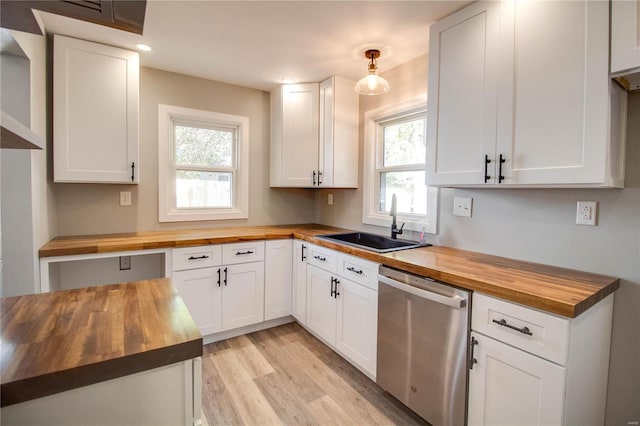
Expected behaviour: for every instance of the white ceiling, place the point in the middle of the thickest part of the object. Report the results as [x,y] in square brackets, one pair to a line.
[257,43]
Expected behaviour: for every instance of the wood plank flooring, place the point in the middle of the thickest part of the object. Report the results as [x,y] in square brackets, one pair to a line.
[286,376]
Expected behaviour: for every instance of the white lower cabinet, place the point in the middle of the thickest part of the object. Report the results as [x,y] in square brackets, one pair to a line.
[341,312]
[278,279]
[201,292]
[243,295]
[508,386]
[299,293]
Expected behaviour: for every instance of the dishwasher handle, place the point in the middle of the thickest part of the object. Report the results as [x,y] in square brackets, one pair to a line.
[453,301]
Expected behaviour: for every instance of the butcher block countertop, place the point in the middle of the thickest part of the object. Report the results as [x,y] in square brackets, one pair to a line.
[53,342]
[552,289]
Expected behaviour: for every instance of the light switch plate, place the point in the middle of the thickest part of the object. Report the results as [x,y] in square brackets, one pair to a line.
[462,206]
[330,199]
[587,213]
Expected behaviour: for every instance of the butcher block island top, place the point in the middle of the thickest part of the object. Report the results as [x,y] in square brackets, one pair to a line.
[552,289]
[54,342]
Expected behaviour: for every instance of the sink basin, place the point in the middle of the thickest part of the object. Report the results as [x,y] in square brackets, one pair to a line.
[373,242]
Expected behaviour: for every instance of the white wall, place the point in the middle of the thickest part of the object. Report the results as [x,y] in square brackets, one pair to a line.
[539,225]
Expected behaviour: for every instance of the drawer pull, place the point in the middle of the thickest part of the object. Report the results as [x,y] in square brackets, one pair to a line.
[523,330]
[240,253]
[320,258]
[473,360]
[352,269]
[204,256]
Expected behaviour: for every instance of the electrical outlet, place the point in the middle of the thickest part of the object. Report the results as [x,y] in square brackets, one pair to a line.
[330,199]
[587,213]
[125,263]
[462,206]
[125,198]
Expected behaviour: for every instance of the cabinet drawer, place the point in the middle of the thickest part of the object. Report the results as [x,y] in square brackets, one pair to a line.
[359,270]
[542,334]
[252,251]
[196,257]
[324,258]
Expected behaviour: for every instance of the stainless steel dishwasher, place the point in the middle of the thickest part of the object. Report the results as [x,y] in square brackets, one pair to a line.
[423,334]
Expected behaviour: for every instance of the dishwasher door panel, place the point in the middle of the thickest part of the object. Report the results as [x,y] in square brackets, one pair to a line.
[422,354]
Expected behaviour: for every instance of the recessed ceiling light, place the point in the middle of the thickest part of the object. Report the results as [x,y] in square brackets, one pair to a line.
[143,47]
[287,80]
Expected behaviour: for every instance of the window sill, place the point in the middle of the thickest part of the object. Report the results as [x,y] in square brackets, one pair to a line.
[191,215]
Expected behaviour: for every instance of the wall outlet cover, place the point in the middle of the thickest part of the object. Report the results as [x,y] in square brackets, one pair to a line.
[125,263]
[587,213]
[462,206]
[125,198]
[330,199]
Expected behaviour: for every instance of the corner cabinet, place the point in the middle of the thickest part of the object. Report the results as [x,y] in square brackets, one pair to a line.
[278,259]
[530,367]
[299,293]
[539,108]
[95,112]
[314,135]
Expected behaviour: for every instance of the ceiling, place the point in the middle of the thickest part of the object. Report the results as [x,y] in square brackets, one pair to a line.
[257,43]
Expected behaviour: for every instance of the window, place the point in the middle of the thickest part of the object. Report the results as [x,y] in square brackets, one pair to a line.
[203,165]
[395,153]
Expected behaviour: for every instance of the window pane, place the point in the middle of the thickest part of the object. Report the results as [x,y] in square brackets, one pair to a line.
[404,143]
[195,189]
[204,147]
[410,190]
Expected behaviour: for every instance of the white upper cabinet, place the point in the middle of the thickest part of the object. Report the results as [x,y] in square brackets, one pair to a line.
[314,135]
[625,36]
[519,95]
[95,112]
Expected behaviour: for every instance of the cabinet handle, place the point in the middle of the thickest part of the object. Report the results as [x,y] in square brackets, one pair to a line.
[472,360]
[332,283]
[303,256]
[240,253]
[352,269]
[204,256]
[218,277]
[319,176]
[225,276]
[523,330]
[500,177]
[320,258]
[314,178]
[336,293]
[133,174]
[487,161]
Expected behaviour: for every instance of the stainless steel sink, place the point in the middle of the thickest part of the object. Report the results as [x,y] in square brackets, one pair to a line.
[373,242]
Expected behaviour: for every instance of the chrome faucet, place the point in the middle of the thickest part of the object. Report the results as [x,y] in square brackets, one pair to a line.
[394,227]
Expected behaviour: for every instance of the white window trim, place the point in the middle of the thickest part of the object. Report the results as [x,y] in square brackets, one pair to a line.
[370,212]
[167,211]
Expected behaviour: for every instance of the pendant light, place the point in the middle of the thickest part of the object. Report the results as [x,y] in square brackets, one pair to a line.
[372,83]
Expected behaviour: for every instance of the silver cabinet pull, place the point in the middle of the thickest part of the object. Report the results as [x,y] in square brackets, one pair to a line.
[523,330]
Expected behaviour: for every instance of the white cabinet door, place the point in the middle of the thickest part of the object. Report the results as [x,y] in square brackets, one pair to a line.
[357,324]
[202,293]
[625,35]
[243,295]
[463,56]
[553,105]
[321,304]
[508,386]
[294,135]
[338,160]
[278,279]
[95,112]
[299,300]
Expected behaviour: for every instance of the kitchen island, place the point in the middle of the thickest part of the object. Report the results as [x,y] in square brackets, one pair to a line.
[125,353]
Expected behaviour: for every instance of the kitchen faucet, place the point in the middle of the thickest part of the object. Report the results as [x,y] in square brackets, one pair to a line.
[394,227]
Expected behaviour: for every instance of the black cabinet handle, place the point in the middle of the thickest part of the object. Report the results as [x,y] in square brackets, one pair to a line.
[204,256]
[500,177]
[487,161]
[319,176]
[314,178]
[133,174]
[320,258]
[336,293]
[302,255]
[240,253]
[523,330]
[333,280]
[218,277]
[352,269]
[225,276]
[472,360]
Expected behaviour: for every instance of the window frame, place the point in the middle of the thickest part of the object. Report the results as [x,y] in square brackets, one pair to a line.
[373,160]
[168,118]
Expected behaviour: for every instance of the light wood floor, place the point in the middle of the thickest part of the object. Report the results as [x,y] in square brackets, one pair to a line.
[284,375]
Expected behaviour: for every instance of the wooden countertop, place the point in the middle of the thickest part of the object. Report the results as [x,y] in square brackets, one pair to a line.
[552,289]
[53,342]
